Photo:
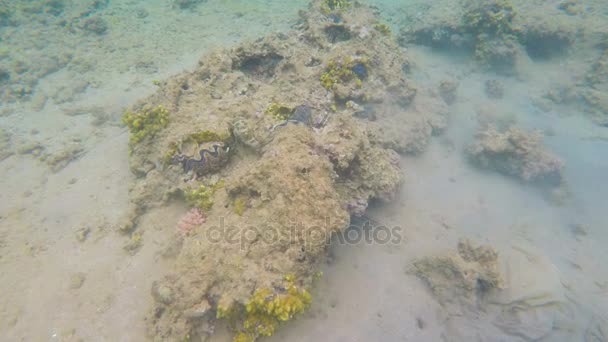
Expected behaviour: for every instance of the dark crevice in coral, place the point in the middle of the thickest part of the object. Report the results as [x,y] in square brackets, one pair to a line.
[546,45]
[337,33]
[259,65]
[437,37]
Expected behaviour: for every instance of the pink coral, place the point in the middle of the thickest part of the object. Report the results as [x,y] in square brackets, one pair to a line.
[193,218]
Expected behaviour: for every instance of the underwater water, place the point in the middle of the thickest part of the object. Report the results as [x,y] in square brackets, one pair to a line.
[474,133]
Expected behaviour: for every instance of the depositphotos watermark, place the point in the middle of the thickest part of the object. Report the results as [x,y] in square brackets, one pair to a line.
[360,231]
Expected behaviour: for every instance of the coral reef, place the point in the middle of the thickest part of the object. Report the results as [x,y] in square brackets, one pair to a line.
[594,92]
[501,54]
[489,17]
[516,153]
[274,176]
[497,33]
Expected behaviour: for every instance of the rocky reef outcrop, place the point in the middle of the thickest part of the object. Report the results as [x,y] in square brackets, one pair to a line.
[516,153]
[594,91]
[499,34]
[276,143]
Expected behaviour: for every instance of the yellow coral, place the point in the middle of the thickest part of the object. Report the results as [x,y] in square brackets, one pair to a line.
[200,198]
[145,122]
[267,308]
[244,337]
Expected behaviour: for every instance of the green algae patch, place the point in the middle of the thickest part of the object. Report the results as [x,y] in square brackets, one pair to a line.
[146,122]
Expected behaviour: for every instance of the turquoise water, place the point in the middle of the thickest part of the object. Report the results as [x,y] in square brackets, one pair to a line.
[69,70]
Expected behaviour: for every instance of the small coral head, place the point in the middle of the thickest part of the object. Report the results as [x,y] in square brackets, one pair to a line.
[191,219]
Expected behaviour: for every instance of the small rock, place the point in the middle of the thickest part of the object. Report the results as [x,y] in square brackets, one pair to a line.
[420,323]
[76,280]
[95,25]
[82,234]
[579,230]
[199,310]
[141,13]
[447,90]
[494,89]
[134,244]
